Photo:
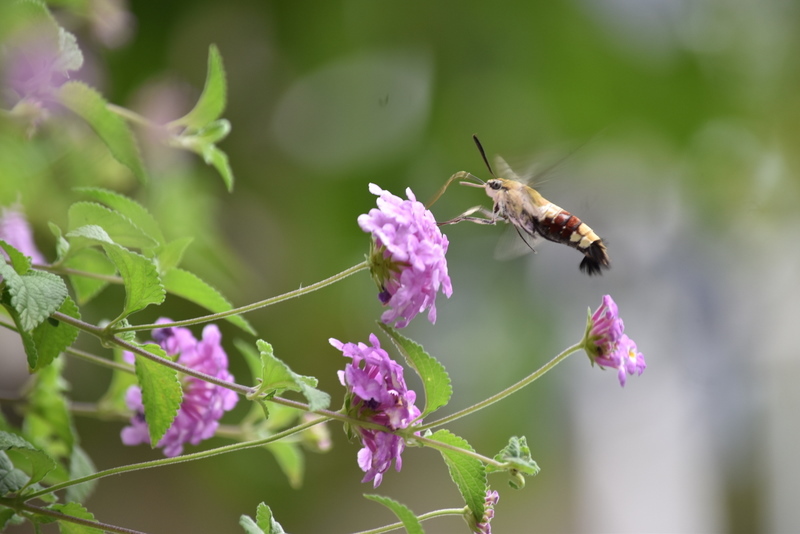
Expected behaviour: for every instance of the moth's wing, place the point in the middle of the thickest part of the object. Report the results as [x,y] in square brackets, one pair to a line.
[530,175]
[514,243]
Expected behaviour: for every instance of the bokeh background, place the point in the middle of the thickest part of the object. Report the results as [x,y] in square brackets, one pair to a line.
[671,127]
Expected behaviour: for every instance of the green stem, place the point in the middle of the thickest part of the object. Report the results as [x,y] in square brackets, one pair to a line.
[132,116]
[105,527]
[423,517]
[250,307]
[178,459]
[506,392]
[58,269]
[97,360]
[438,445]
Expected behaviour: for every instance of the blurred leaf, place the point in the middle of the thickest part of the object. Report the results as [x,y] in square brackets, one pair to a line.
[135,212]
[90,105]
[52,337]
[467,472]
[48,422]
[435,379]
[171,254]
[216,157]
[276,377]
[93,261]
[290,459]
[11,479]
[161,393]
[264,524]
[75,510]
[212,100]
[80,465]
[192,288]
[62,245]
[40,463]
[120,229]
[403,513]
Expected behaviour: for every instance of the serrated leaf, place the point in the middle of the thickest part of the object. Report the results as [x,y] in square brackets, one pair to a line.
[161,393]
[90,105]
[16,259]
[276,377]
[189,286]
[128,207]
[26,337]
[35,295]
[291,461]
[75,510]
[40,463]
[119,228]
[80,465]
[70,56]
[139,275]
[170,254]
[435,380]
[264,524]
[89,260]
[11,479]
[468,473]
[404,514]
[211,103]
[52,337]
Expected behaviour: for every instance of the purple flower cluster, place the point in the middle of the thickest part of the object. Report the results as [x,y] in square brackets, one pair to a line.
[484,527]
[408,256]
[203,404]
[377,393]
[608,346]
[15,230]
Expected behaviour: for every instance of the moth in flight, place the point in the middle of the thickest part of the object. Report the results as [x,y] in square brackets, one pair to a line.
[531,214]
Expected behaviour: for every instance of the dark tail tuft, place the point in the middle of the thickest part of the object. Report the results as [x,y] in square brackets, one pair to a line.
[595,260]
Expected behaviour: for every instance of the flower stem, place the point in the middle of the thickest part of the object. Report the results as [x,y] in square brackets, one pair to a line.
[423,517]
[178,459]
[105,527]
[506,392]
[250,307]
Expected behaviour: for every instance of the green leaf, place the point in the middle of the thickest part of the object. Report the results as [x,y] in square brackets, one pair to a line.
[276,377]
[17,260]
[139,275]
[170,254]
[80,465]
[192,288]
[89,260]
[435,379]
[135,212]
[75,510]
[90,105]
[467,472]
[6,516]
[291,461]
[52,337]
[517,456]
[403,513]
[48,422]
[264,524]
[161,393]
[11,479]
[34,295]
[39,462]
[120,229]
[216,157]
[211,103]
[62,245]
[26,337]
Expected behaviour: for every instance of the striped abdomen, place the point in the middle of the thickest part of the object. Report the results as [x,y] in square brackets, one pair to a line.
[561,226]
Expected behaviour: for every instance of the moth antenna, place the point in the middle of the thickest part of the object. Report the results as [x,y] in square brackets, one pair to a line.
[483,154]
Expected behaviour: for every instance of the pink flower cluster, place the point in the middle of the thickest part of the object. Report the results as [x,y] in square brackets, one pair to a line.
[408,258]
[377,393]
[203,404]
[610,347]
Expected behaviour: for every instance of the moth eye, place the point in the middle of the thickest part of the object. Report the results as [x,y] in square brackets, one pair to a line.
[494,184]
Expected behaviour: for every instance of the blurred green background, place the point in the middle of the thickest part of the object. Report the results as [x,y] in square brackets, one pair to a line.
[676,125]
